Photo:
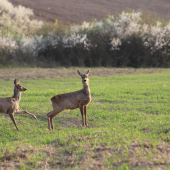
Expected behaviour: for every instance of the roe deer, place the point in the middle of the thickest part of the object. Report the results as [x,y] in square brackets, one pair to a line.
[10,105]
[78,99]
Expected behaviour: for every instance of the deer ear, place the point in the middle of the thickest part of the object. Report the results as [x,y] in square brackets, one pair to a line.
[15,81]
[87,72]
[78,71]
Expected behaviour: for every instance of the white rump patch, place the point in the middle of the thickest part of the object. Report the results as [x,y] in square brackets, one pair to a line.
[50,101]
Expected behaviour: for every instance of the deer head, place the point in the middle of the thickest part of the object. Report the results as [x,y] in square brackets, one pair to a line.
[84,77]
[18,86]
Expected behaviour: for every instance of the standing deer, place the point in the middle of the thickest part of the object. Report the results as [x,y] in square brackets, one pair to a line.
[10,105]
[78,99]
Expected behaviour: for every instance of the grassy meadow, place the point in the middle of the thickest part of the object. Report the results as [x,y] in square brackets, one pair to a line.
[128,118]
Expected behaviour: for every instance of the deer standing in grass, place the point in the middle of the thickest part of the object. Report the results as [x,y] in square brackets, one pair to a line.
[68,101]
[10,105]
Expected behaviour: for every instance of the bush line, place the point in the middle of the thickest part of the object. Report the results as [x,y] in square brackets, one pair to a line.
[124,40]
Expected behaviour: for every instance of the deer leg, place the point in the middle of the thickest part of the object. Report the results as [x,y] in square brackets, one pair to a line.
[49,124]
[25,112]
[50,117]
[82,114]
[13,119]
[51,121]
[85,109]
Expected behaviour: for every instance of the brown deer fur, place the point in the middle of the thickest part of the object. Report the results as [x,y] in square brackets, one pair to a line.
[78,99]
[10,105]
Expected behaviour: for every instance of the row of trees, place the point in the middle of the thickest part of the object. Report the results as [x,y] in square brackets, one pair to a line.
[124,40]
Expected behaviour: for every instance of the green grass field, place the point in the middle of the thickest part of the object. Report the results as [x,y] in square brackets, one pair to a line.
[129,123]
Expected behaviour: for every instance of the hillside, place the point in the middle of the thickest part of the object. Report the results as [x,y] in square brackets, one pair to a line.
[77,11]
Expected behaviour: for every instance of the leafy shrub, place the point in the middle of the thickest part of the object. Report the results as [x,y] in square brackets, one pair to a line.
[17,19]
[124,40]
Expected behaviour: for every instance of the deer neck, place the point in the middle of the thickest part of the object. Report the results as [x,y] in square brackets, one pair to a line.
[86,89]
[17,94]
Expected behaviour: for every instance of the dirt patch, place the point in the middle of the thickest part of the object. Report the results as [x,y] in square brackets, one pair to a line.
[12,160]
[47,73]
[147,156]
[136,155]
[18,155]
[144,155]
[63,155]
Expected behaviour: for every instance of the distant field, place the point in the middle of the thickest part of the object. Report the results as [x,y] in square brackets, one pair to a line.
[77,11]
[129,120]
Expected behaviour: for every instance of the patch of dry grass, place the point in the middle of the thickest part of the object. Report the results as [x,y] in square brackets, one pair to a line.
[137,156]
[45,73]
